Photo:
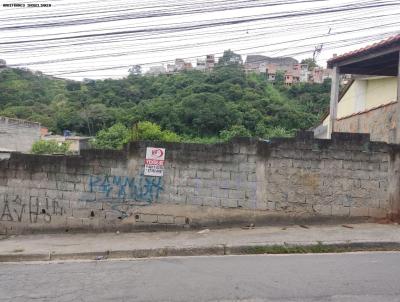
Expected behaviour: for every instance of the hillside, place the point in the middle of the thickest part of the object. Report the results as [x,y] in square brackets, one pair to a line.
[191,104]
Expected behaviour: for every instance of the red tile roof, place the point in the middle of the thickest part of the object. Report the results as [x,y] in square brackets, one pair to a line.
[365,50]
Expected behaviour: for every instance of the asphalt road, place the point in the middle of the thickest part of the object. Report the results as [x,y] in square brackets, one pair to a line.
[329,277]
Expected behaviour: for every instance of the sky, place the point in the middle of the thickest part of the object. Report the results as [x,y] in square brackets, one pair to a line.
[102,39]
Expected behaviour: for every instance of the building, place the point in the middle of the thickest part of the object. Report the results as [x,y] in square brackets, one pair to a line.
[291,78]
[76,143]
[200,64]
[210,62]
[317,75]
[271,72]
[370,101]
[156,70]
[18,135]
[304,73]
[253,62]
[170,68]
[3,63]
[178,66]
[188,66]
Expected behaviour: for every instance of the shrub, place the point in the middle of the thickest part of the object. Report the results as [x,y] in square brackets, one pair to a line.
[50,147]
[112,138]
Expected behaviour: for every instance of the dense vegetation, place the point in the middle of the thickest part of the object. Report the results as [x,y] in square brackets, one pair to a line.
[189,106]
[50,147]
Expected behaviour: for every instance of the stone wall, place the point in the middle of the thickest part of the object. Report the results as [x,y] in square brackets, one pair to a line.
[244,181]
[18,135]
[379,122]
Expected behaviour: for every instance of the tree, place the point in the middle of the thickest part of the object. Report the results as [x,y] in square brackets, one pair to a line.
[279,78]
[311,63]
[190,106]
[150,131]
[112,138]
[230,58]
[135,70]
[234,131]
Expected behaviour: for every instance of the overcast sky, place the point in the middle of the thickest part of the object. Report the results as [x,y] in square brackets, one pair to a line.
[141,32]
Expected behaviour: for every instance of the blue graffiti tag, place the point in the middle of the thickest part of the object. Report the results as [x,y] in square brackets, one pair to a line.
[141,188]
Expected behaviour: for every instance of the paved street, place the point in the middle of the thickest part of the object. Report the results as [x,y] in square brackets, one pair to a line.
[314,277]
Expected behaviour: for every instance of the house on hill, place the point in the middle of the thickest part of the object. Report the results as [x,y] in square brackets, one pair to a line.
[253,63]
[370,101]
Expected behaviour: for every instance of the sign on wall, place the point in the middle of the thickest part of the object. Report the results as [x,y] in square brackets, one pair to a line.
[154,162]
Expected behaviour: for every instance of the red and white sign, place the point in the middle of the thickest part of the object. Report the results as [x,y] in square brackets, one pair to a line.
[154,162]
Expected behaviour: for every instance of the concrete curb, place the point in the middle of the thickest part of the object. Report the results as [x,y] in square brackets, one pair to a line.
[191,251]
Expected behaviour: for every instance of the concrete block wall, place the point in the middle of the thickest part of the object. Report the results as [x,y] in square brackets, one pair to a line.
[379,122]
[18,135]
[243,181]
[345,176]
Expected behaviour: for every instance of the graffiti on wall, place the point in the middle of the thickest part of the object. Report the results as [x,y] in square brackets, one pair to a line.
[122,193]
[142,189]
[33,210]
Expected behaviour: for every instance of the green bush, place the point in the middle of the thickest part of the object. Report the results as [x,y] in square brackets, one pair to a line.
[50,147]
[118,135]
[112,138]
[151,131]
[234,131]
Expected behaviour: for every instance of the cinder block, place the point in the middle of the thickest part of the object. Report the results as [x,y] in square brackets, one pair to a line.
[378,157]
[193,182]
[73,222]
[338,210]
[372,185]
[220,193]
[252,176]
[166,219]
[39,176]
[252,158]
[147,218]
[239,177]
[188,191]
[378,213]
[359,212]
[236,194]
[384,166]
[286,153]
[360,156]
[229,203]
[247,204]
[270,205]
[332,164]
[250,194]
[86,196]
[205,174]
[211,202]
[181,220]
[202,192]
[194,200]
[228,184]
[324,210]
[222,174]
[370,166]
[248,149]
[247,167]
[186,173]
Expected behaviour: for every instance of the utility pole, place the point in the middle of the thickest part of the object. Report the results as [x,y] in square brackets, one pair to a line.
[318,48]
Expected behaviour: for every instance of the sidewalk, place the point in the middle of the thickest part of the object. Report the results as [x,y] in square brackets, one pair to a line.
[204,242]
